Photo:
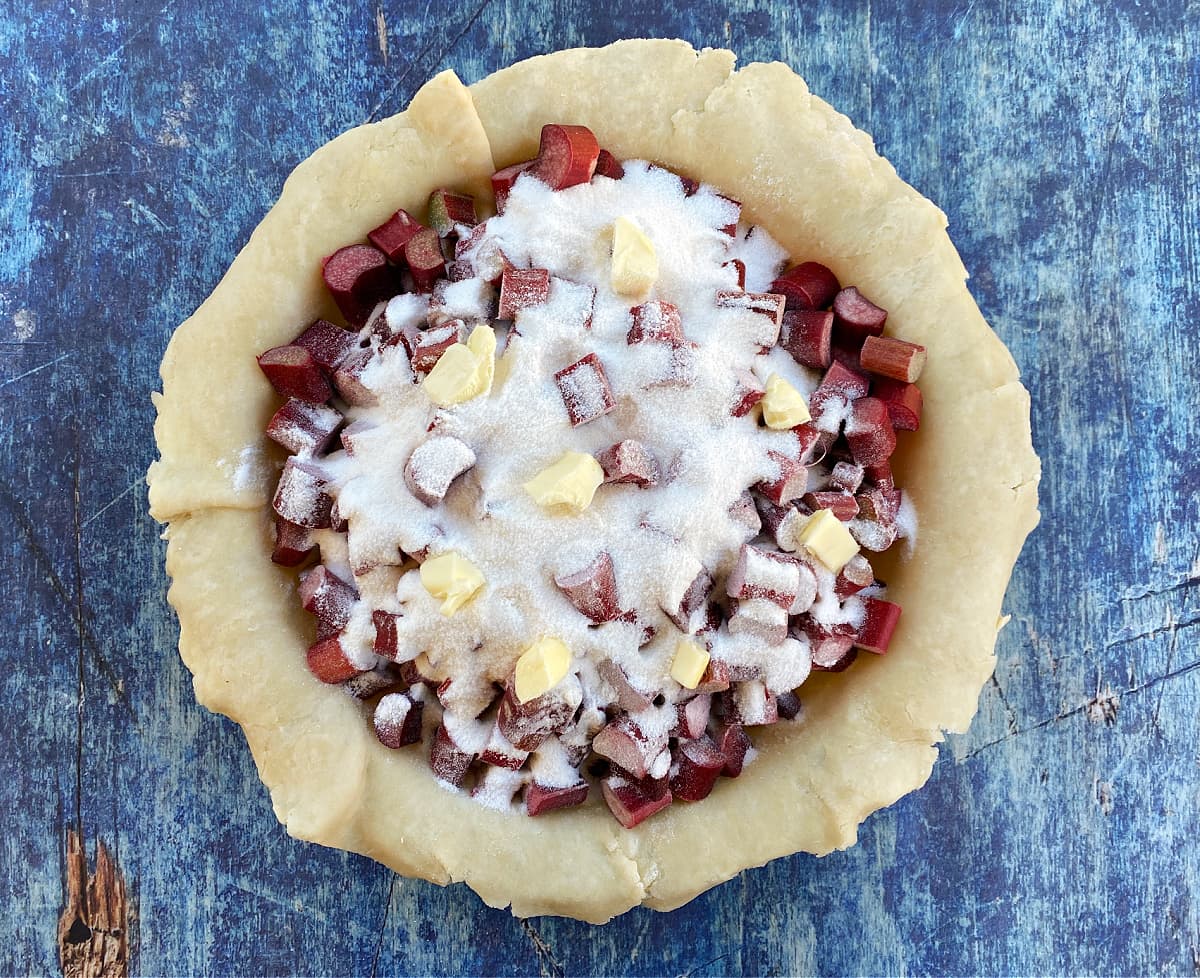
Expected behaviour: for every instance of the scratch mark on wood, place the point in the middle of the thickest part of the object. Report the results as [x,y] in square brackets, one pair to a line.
[1101,194]
[387,911]
[28,373]
[93,927]
[692,972]
[116,499]
[100,65]
[548,965]
[1008,710]
[381,32]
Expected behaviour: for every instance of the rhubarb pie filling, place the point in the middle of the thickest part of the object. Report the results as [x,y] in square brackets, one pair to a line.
[585,490]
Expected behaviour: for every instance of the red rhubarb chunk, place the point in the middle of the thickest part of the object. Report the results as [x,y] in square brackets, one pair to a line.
[629,461]
[856,317]
[302,495]
[609,166]
[446,210]
[328,662]
[327,598]
[387,640]
[293,544]
[809,285]
[733,742]
[876,632]
[447,760]
[843,505]
[423,254]
[768,308]
[585,390]
[748,391]
[358,277]
[807,335]
[500,753]
[394,233]
[521,288]
[625,744]
[503,180]
[434,465]
[903,402]
[592,590]
[764,574]
[846,476]
[681,609]
[760,619]
[303,428]
[566,156]
[890,357]
[348,379]
[293,372]
[539,798]
[397,720]
[744,514]
[693,716]
[429,345]
[629,697]
[869,431]
[791,483]
[700,764]
[856,575]
[528,725]
[655,321]
[632,802]
[328,343]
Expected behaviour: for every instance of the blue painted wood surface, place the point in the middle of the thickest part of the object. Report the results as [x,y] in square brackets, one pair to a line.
[139,145]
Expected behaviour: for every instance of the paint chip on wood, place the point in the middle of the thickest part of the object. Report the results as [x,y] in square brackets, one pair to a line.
[93,934]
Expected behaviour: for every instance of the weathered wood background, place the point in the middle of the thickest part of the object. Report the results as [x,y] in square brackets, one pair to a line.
[139,144]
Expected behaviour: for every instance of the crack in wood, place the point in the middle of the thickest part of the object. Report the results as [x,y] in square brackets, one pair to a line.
[93,930]
[387,912]
[548,965]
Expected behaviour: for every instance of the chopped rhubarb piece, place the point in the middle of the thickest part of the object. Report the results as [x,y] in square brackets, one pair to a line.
[856,317]
[359,276]
[348,379]
[806,594]
[655,321]
[733,672]
[293,544]
[629,461]
[382,679]
[423,255]
[762,574]
[328,343]
[629,697]
[609,166]
[446,210]
[539,798]
[876,632]
[387,640]
[787,705]
[879,474]
[903,402]
[566,156]
[500,753]
[432,343]
[833,653]
[328,662]
[337,522]
[303,428]
[624,743]
[846,476]
[686,184]
[749,704]
[844,380]
[879,503]
[733,742]
[856,575]
[521,288]
[807,334]
[434,465]
[327,598]
[759,618]
[503,180]
[294,372]
[681,607]
[843,505]
[766,305]
[593,589]
[302,496]
[809,285]
[869,431]
[700,764]
[715,680]
[893,358]
[692,716]
[791,483]
[394,233]
[744,513]
[782,523]
[585,390]
[739,268]
[680,368]
[447,760]
[633,802]
[397,720]
[527,725]
[748,391]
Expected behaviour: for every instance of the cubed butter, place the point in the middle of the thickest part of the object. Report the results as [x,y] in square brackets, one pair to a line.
[570,482]
[634,262]
[464,371]
[482,343]
[541,667]
[687,668]
[452,578]
[783,406]
[827,539]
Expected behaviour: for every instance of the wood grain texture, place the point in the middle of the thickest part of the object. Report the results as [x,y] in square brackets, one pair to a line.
[141,142]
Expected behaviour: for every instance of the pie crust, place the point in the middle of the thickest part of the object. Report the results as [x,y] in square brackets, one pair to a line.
[868,736]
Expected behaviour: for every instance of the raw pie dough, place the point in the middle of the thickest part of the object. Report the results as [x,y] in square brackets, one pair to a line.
[868,736]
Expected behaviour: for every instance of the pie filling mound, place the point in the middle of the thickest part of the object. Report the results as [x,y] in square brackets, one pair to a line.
[586,489]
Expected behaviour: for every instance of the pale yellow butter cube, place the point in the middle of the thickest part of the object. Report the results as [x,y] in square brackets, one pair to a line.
[827,539]
[687,668]
[570,482]
[783,406]
[634,261]
[483,344]
[452,578]
[541,667]
[454,378]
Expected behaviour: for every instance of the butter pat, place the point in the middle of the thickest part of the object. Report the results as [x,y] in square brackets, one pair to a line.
[634,262]
[452,578]
[541,667]
[570,482]
[687,668]
[464,371]
[827,539]
[783,406]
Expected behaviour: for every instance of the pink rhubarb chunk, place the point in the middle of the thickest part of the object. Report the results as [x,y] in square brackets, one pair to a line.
[881,620]
[700,763]
[521,288]
[633,802]
[295,373]
[328,662]
[655,321]
[540,799]
[592,590]
[358,277]
[585,390]
[434,465]
[629,461]
[807,334]
[303,428]
[566,156]
[503,180]
[397,720]
[809,285]
[856,317]
[302,495]
[327,598]
[394,233]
